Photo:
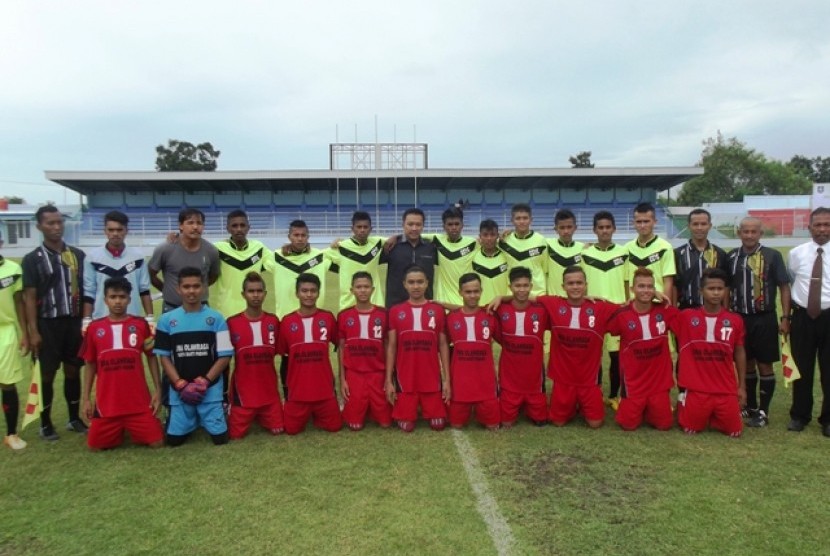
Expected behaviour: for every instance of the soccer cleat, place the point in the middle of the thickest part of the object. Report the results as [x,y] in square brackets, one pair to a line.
[76,425]
[759,420]
[48,433]
[14,442]
[406,426]
[750,413]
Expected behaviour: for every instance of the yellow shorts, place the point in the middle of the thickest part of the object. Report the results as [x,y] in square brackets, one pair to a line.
[11,368]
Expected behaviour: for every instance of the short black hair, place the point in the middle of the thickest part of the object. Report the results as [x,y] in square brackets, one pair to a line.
[297,224]
[714,273]
[819,210]
[521,207]
[119,284]
[362,274]
[190,212]
[360,216]
[307,278]
[468,277]
[116,216]
[190,272]
[488,225]
[44,210]
[564,214]
[574,269]
[697,211]
[519,272]
[254,277]
[236,213]
[644,207]
[452,212]
[413,268]
[414,210]
[604,215]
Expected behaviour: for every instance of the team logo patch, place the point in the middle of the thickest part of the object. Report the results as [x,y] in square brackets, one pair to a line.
[695,321]
[562,310]
[321,323]
[618,261]
[235,338]
[377,321]
[485,323]
[100,333]
[534,317]
[349,322]
[294,327]
[430,313]
[209,321]
[270,328]
[503,268]
[130,266]
[658,317]
[131,329]
[255,258]
[632,325]
[505,317]
[577,259]
[374,252]
[173,323]
[401,315]
[654,258]
[456,326]
[726,323]
[589,311]
[7,281]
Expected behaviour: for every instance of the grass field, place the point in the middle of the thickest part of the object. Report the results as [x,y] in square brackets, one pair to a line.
[560,491]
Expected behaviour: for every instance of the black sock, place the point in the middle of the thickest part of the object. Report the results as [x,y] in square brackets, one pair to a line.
[11,406]
[219,439]
[751,390]
[48,395]
[614,374]
[72,393]
[767,390]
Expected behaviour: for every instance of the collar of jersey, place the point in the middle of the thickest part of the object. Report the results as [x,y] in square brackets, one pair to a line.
[528,236]
[563,244]
[235,248]
[647,244]
[610,246]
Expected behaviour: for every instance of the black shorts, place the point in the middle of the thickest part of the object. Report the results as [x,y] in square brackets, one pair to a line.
[761,341]
[61,343]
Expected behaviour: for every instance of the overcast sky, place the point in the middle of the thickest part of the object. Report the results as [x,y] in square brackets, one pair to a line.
[89,85]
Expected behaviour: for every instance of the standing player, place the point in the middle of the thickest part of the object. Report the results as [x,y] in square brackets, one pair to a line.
[710,343]
[112,350]
[757,273]
[472,371]
[692,258]
[455,256]
[645,357]
[359,253]
[522,327]
[308,379]
[14,343]
[53,284]
[648,250]
[254,393]
[301,258]
[490,263]
[238,256]
[195,348]
[578,328]
[604,264]
[417,357]
[114,260]
[563,251]
[362,333]
[524,247]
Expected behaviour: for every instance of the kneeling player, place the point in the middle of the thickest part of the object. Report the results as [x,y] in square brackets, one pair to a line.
[578,327]
[195,349]
[710,350]
[362,354]
[417,357]
[645,358]
[522,326]
[472,371]
[112,350]
[254,392]
[308,379]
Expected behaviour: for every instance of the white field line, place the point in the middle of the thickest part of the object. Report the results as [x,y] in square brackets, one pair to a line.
[487,506]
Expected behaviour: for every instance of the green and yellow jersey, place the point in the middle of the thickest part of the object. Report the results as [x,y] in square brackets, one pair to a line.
[350,257]
[531,252]
[494,272]
[235,263]
[657,255]
[11,283]
[561,256]
[454,260]
[286,268]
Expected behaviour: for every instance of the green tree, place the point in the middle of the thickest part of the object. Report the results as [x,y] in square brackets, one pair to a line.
[816,169]
[581,160]
[15,200]
[733,170]
[181,156]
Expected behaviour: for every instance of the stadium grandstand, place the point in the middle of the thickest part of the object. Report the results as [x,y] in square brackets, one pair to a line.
[325,199]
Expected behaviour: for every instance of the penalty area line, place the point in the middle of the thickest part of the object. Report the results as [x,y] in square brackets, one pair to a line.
[486,505]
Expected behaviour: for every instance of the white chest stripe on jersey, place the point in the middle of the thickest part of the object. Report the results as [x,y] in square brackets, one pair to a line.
[520,323]
[364,326]
[646,326]
[307,324]
[416,319]
[575,312]
[117,340]
[710,328]
[256,330]
[471,328]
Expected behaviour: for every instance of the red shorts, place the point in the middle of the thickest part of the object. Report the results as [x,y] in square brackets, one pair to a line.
[366,397]
[269,416]
[487,413]
[326,414]
[108,432]
[566,400]
[510,403]
[654,409]
[720,411]
[406,406]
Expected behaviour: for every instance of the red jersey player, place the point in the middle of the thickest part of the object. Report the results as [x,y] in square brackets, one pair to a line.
[645,357]
[522,326]
[254,393]
[471,331]
[417,357]
[710,343]
[308,381]
[112,350]
[361,330]
[578,327]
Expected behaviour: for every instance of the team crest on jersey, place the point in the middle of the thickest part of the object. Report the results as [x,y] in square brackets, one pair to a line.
[377,322]
[430,313]
[350,322]
[270,328]
[658,317]
[294,327]
[209,321]
[321,323]
[130,266]
[131,329]
[632,325]
[562,310]
[465,251]
[695,321]
[100,333]
[485,323]
[173,323]
[255,258]
[618,261]
[401,315]
[534,317]
[503,267]
[534,252]
[505,317]
[726,323]
[457,326]
[654,257]
[589,311]
[7,281]
[577,259]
